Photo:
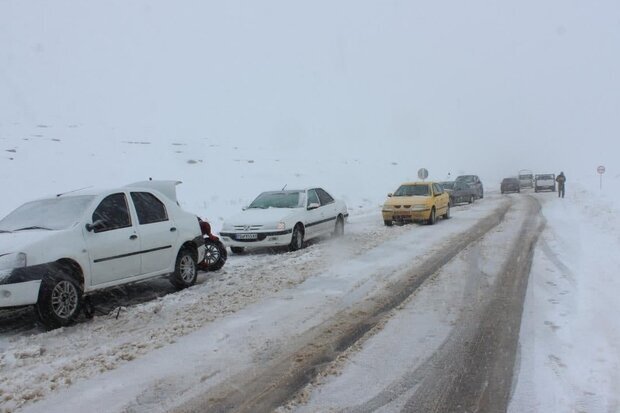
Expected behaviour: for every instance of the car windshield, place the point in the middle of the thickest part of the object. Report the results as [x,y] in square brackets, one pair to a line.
[511,180]
[50,214]
[412,190]
[545,176]
[283,199]
[447,185]
[525,176]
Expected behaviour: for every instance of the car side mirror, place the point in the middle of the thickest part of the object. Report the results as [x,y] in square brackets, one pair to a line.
[390,195]
[98,224]
[313,205]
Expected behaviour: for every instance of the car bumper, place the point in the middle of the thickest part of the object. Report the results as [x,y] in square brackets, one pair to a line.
[406,215]
[263,239]
[18,294]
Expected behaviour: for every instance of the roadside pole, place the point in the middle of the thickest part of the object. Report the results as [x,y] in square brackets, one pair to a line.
[601,171]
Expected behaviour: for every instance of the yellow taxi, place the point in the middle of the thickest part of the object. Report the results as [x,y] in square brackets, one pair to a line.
[416,202]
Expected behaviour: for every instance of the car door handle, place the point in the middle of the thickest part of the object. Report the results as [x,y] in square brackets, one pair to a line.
[173,229]
[134,236]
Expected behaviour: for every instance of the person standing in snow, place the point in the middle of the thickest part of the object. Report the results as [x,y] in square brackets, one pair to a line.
[561,180]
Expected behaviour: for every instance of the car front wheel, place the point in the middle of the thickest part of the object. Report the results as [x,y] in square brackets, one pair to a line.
[185,272]
[297,240]
[60,299]
[432,218]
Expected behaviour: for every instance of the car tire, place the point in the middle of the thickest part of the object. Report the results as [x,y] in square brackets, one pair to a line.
[237,250]
[339,228]
[388,223]
[60,298]
[447,214]
[432,218]
[471,199]
[215,256]
[297,239]
[185,271]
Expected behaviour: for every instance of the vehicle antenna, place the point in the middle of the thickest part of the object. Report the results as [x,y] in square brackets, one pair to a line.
[284,187]
[75,190]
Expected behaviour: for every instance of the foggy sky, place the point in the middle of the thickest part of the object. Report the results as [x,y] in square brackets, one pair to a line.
[473,86]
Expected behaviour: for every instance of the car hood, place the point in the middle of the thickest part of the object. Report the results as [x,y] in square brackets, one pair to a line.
[257,216]
[407,200]
[21,240]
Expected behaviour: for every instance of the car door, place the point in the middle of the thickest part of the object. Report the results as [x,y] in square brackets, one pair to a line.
[441,201]
[328,211]
[313,215]
[157,232]
[113,243]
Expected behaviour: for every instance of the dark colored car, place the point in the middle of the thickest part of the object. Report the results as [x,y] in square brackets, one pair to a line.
[462,192]
[510,185]
[447,185]
[474,182]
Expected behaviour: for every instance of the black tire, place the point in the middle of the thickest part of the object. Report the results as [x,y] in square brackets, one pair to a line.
[185,271]
[471,199]
[339,228]
[237,250]
[502,192]
[447,214]
[432,218]
[60,298]
[481,193]
[215,256]
[388,223]
[297,239]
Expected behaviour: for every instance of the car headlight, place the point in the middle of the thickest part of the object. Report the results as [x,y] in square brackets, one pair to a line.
[10,261]
[281,225]
[420,207]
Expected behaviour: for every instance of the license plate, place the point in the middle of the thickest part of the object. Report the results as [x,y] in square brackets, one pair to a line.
[247,236]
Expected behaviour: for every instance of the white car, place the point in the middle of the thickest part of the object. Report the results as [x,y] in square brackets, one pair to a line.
[285,218]
[56,251]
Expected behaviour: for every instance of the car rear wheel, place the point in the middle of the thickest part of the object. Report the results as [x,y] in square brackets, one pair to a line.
[185,272]
[215,256]
[447,214]
[60,298]
[297,240]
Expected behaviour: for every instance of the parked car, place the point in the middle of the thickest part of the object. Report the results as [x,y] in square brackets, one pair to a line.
[474,182]
[510,185]
[544,182]
[526,178]
[462,192]
[56,251]
[285,218]
[446,185]
[215,250]
[416,202]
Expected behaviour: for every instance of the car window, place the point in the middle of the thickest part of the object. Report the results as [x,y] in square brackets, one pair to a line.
[324,196]
[113,212]
[313,198]
[149,208]
[461,186]
[437,189]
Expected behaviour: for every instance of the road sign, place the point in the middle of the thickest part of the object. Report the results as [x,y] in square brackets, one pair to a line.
[422,173]
[600,169]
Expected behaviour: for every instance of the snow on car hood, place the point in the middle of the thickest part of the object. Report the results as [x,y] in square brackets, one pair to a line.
[258,216]
[21,240]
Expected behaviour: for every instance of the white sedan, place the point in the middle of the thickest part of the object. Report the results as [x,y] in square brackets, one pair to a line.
[285,218]
[56,251]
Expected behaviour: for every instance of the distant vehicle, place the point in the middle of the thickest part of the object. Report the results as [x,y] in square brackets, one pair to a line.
[462,192]
[544,182]
[285,218]
[510,185]
[416,202]
[56,251]
[474,182]
[446,185]
[526,178]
